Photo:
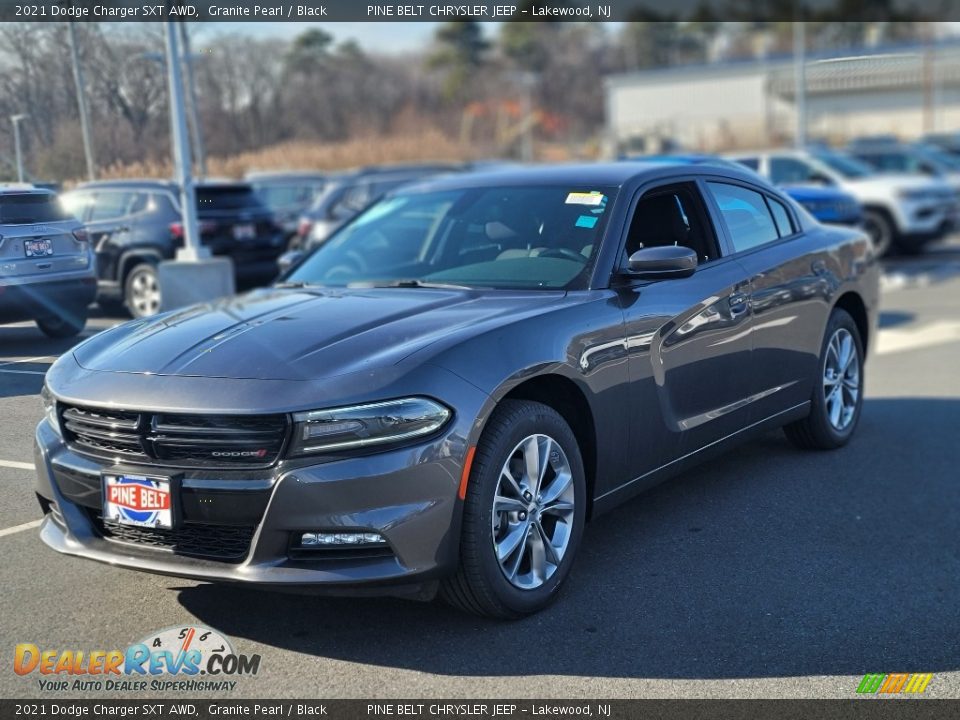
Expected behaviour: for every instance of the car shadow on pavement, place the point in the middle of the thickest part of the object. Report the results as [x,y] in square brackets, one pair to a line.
[767,562]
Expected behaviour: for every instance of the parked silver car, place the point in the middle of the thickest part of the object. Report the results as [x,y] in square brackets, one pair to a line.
[47,268]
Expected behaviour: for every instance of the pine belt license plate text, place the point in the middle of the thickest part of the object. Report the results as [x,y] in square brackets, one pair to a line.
[37,248]
[244,232]
[138,500]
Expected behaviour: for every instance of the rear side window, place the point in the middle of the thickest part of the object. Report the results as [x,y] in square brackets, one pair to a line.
[110,205]
[746,215]
[27,208]
[781,217]
[226,198]
[750,162]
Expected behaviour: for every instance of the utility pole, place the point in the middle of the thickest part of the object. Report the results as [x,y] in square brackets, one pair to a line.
[196,129]
[800,83]
[82,103]
[191,249]
[15,119]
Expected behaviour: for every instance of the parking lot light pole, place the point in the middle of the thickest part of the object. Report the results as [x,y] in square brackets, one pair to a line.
[194,276]
[181,152]
[15,119]
[196,129]
[82,103]
[800,82]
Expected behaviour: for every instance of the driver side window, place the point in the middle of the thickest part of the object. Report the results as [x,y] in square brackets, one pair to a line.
[672,215]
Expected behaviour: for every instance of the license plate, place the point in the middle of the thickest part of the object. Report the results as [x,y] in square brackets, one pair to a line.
[37,248]
[244,232]
[138,500]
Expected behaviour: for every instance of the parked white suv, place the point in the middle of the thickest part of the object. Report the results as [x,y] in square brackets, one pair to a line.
[899,210]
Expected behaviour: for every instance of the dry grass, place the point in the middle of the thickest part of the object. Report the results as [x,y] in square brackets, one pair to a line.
[300,155]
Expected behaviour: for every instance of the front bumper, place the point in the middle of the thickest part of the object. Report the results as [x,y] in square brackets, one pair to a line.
[408,495]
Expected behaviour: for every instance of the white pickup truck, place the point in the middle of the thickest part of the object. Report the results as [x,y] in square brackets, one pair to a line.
[899,210]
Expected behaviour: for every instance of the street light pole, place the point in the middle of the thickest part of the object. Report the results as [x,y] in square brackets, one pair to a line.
[82,103]
[196,129]
[15,119]
[800,82]
[191,250]
[195,275]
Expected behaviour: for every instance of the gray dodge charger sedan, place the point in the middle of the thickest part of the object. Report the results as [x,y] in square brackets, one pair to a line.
[441,397]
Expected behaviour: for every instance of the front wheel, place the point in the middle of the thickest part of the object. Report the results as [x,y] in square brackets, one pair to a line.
[523,514]
[838,390]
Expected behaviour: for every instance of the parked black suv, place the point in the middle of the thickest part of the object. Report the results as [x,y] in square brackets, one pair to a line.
[134,224]
[347,193]
[287,194]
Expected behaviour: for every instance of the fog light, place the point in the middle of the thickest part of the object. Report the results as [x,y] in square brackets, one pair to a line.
[328,539]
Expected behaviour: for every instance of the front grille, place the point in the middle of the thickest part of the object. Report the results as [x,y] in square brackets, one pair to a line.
[224,543]
[175,440]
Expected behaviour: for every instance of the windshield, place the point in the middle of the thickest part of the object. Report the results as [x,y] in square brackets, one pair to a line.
[843,164]
[498,237]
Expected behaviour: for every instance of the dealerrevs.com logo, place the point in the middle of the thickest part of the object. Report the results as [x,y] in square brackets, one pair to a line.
[185,658]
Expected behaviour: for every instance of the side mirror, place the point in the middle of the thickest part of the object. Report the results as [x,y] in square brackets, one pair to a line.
[289,259]
[662,263]
[819,179]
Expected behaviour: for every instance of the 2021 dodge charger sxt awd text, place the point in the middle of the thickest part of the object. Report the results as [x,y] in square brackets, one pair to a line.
[441,396]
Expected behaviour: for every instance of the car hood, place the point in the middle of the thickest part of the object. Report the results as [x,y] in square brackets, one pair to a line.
[302,334]
[897,181]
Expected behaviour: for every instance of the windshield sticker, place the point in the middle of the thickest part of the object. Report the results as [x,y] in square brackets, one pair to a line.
[587,221]
[585,198]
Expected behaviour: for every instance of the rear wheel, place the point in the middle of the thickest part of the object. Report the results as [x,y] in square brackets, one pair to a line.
[62,327]
[142,291]
[838,391]
[523,514]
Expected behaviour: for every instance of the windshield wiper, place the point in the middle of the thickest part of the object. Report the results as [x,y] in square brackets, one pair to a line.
[296,284]
[414,283]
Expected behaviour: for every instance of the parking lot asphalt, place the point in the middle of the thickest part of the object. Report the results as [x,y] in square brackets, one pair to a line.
[768,573]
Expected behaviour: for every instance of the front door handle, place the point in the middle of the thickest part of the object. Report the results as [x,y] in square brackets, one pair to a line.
[739,302]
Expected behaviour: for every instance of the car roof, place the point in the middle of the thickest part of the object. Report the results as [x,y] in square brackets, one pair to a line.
[283,175]
[23,189]
[583,176]
[134,184]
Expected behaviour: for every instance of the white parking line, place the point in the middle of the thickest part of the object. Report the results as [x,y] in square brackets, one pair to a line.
[16,465]
[20,528]
[23,372]
[897,340]
[21,361]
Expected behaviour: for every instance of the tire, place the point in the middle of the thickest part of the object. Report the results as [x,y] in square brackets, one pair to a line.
[825,428]
[482,585]
[878,225]
[141,291]
[62,327]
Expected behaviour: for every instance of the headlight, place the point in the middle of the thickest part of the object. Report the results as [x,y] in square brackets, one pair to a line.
[361,426]
[50,408]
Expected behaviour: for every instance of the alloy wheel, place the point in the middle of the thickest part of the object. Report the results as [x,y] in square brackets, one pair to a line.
[533,511]
[144,294]
[841,379]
